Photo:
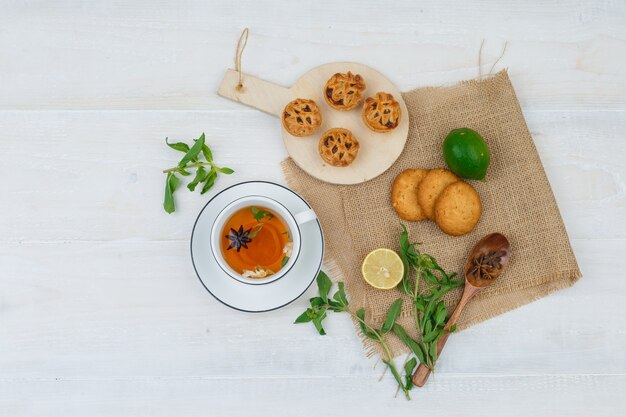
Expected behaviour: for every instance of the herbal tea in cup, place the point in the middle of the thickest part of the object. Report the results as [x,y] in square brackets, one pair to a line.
[256,239]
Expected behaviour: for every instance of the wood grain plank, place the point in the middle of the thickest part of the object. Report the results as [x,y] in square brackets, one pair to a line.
[96,175]
[121,309]
[571,395]
[164,55]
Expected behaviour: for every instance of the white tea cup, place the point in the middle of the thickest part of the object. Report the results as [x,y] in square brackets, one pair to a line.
[293,222]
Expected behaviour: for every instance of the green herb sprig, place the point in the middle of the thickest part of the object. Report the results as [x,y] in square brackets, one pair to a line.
[285,259]
[206,171]
[259,215]
[339,304]
[429,310]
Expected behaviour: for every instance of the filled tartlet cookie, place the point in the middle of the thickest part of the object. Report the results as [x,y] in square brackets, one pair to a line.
[343,90]
[381,113]
[301,117]
[338,147]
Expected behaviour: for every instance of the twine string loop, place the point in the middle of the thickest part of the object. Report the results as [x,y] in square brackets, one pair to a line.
[241,45]
[480,55]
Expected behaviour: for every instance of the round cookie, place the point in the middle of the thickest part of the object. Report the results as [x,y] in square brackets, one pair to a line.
[431,186]
[301,117]
[404,194]
[338,147]
[458,209]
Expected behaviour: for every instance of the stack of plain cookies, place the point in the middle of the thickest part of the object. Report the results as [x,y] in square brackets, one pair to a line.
[438,195]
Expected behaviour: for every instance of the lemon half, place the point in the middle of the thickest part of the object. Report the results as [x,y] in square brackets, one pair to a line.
[382,268]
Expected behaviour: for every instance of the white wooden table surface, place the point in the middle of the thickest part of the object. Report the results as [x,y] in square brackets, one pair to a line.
[100,310]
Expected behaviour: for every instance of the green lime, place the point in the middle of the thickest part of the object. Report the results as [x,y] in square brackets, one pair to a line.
[466,153]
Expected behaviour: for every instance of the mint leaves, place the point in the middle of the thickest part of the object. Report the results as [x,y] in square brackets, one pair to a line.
[259,214]
[338,303]
[171,182]
[429,310]
[206,171]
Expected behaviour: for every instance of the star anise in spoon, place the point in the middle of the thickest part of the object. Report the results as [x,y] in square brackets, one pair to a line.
[486,266]
[238,238]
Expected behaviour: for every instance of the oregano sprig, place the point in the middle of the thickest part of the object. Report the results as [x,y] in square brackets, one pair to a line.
[429,310]
[206,171]
[339,304]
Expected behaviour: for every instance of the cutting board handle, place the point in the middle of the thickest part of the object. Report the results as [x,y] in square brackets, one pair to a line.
[260,94]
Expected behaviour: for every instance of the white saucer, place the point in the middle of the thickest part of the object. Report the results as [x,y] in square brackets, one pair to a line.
[248,297]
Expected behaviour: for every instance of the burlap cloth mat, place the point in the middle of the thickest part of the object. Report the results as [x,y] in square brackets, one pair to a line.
[516,196]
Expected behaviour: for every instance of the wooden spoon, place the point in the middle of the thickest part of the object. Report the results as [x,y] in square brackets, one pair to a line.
[486,262]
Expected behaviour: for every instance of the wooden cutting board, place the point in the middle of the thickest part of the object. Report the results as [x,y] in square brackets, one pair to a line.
[378,150]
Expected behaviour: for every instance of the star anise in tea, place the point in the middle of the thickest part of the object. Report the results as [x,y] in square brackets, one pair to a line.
[487,266]
[238,238]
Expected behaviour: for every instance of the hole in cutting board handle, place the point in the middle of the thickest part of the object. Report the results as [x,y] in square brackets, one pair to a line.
[263,95]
